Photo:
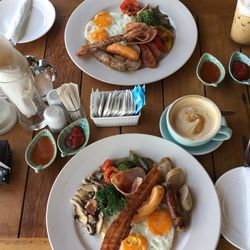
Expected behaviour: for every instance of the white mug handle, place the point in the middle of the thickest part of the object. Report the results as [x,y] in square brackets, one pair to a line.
[224,134]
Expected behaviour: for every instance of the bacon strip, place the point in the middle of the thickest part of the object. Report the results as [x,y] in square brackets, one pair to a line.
[129,36]
[121,226]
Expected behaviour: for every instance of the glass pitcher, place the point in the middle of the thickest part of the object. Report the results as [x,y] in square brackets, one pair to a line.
[17,82]
[240,31]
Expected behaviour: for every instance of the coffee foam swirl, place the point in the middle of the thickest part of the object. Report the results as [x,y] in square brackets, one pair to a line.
[193,121]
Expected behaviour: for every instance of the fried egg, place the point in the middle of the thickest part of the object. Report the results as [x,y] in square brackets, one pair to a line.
[104,25]
[154,233]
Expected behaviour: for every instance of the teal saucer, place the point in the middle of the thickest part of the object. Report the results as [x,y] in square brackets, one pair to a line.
[199,150]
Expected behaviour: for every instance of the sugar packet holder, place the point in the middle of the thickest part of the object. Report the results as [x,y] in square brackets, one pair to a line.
[117,108]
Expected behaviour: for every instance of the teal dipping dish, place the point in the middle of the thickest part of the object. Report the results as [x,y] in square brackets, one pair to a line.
[66,151]
[206,57]
[238,56]
[29,149]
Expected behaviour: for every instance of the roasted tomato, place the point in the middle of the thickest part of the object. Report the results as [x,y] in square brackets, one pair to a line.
[108,173]
[130,7]
[106,165]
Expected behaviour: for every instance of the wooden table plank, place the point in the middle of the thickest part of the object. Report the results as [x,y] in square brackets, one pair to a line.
[65,8]
[24,244]
[211,7]
[39,185]
[228,96]
[12,195]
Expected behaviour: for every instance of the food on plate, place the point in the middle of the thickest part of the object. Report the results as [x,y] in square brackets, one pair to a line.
[75,139]
[175,209]
[130,7]
[105,24]
[134,203]
[123,50]
[110,34]
[151,204]
[120,227]
[185,198]
[240,70]
[176,178]
[126,37]
[127,182]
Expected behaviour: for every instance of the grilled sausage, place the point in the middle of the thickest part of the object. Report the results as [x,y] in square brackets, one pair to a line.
[108,59]
[175,209]
[156,52]
[147,56]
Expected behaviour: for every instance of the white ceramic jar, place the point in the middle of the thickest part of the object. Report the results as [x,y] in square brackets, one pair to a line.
[55,118]
[240,31]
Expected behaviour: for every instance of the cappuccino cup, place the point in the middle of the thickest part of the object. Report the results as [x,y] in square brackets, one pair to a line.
[193,120]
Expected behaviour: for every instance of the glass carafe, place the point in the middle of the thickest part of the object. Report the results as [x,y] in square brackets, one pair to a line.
[240,31]
[17,82]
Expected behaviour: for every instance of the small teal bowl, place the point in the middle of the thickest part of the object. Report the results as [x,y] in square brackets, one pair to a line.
[29,149]
[206,57]
[65,151]
[238,56]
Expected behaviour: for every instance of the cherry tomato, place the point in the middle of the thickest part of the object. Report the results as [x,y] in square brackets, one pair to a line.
[130,7]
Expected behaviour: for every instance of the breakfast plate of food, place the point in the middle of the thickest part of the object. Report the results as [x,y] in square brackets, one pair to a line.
[131,41]
[118,193]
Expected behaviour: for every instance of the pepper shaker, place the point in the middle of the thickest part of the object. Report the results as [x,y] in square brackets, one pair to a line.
[240,31]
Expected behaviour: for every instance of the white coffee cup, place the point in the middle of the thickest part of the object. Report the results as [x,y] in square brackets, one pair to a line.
[194,120]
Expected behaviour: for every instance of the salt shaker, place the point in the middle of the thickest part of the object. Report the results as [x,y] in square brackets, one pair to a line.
[240,31]
[55,118]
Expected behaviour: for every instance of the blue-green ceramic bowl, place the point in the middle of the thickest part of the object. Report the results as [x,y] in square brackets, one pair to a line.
[206,57]
[65,151]
[238,56]
[29,149]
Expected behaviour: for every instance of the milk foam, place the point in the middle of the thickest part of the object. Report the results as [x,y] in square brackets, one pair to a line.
[194,120]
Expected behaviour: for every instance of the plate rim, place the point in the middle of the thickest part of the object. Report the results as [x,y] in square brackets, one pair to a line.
[127,74]
[203,172]
[46,3]
[218,183]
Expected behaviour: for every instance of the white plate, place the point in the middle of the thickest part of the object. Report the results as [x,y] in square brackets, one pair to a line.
[186,37]
[41,19]
[204,229]
[233,189]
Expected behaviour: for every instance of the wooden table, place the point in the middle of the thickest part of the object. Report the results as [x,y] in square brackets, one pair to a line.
[23,201]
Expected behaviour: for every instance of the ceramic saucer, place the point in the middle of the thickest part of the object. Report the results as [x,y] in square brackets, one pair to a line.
[41,19]
[233,189]
[198,150]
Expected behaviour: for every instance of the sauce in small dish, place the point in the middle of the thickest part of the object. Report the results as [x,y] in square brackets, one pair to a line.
[239,68]
[41,151]
[210,70]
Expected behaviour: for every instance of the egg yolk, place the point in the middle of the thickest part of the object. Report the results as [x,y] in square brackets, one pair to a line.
[135,242]
[159,222]
[99,35]
[103,19]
